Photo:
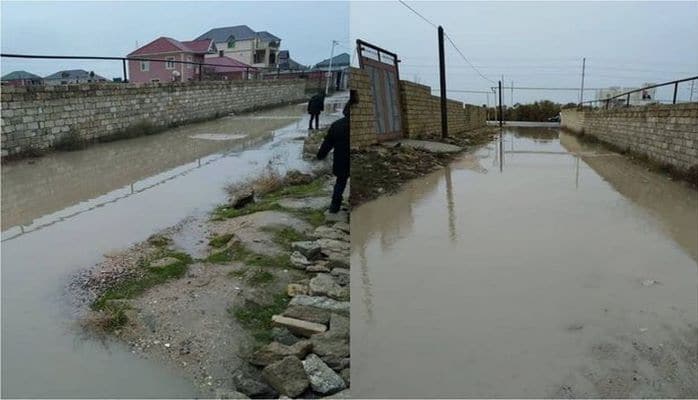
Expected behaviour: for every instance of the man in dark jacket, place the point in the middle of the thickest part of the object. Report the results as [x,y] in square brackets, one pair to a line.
[316,105]
[338,139]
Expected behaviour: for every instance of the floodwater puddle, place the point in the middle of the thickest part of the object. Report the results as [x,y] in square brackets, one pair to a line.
[62,212]
[521,270]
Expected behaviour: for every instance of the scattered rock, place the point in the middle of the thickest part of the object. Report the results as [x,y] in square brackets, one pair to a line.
[326,232]
[294,289]
[298,326]
[243,199]
[333,350]
[287,376]
[307,313]
[284,336]
[346,375]
[322,378]
[275,351]
[319,267]
[342,226]
[339,326]
[341,276]
[325,303]
[249,382]
[298,260]
[324,285]
[338,260]
[310,249]
[164,262]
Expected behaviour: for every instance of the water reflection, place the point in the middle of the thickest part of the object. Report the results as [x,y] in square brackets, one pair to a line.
[533,266]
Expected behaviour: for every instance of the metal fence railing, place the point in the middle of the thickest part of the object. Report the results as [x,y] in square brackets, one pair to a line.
[202,71]
[623,99]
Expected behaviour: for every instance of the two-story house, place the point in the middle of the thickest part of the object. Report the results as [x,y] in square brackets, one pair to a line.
[169,50]
[259,49]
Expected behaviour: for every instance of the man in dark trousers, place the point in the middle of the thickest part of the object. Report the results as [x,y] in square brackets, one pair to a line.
[316,105]
[338,139]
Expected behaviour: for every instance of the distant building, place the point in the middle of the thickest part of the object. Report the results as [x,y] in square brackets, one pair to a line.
[21,78]
[286,63]
[645,96]
[339,70]
[259,49]
[170,50]
[73,76]
[226,68]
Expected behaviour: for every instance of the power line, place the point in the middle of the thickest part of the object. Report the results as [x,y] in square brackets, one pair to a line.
[467,61]
[418,14]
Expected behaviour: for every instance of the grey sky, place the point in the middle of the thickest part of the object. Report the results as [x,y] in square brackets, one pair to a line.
[112,28]
[538,43]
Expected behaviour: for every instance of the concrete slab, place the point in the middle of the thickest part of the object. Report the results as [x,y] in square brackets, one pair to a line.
[434,147]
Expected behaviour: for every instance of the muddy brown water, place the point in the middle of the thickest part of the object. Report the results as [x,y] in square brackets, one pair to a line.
[62,212]
[558,270]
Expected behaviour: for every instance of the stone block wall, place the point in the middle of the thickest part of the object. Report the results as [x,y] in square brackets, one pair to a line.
[38,117]
[362,120]
[665,134]
[422,113]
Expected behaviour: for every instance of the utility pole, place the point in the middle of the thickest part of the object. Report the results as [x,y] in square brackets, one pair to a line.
[329,73]
[512,93]
[442,76]
[500,104]
[691,95]
[581,91]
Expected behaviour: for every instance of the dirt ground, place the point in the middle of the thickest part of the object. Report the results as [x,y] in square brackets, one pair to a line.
[379,170]
[174,298]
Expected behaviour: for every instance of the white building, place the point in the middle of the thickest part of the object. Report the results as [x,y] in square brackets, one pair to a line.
[639,98]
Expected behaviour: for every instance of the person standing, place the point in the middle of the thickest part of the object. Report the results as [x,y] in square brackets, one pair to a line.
[337,139]
[316,105]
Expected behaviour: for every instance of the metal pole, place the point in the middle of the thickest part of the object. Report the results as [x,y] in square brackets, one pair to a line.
[512,93]
[500,104]
[690,99]
[329,74]
[123,64]
[676,89]
[581,91]
[201,72]
[442,75]
[627,101]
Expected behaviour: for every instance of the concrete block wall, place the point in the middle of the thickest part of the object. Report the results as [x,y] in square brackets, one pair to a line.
[40,116]
[666,134]
[422,113]
[362,120]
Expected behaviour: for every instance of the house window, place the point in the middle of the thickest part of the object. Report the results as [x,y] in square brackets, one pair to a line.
[145,66]
[189,66]
[259,56]
[155,80]
[169,64]
[220,53]
[231,42]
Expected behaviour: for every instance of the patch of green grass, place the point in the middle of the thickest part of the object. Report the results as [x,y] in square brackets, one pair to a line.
[257,319]
[312,216]
[220,241]
[220,257]
[238,273]
[284,236]
[305,190]
[159,240]
[259,276]
[249,257]
[131,288]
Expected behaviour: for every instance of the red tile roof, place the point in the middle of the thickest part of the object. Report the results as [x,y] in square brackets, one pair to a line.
[169,45]
[229,64]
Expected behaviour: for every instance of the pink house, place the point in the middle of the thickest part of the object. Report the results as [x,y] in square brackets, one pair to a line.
[170,50]
[226,68]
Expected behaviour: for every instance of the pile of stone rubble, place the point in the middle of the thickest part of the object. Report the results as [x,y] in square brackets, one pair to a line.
[309,356]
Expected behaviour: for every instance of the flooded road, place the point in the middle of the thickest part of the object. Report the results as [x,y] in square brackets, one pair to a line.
[556,270]
[62,212]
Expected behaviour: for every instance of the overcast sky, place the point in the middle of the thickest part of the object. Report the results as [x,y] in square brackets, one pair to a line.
[534,44]
[538,43]
[113,28]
